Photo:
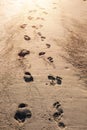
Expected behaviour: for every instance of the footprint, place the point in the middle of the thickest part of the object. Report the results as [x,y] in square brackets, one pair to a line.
[48,45]
[40,26]
[23,53]
[41,53]
[59,80]
[34,27]
[26,37]
[30,17]
[55,80]
[50,59]
[43,38]
[45,12]
[32,11]
[22,105]
[56,115]
[54,7]
[56,105]
[42,19]
[39,33]
[52,79]
[61,125]
[28,77]
[21,115]
[39,18]
[23,26]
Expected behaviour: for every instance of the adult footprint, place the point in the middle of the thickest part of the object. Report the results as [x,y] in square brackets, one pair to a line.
[21,115]
[28,77]
[23,53]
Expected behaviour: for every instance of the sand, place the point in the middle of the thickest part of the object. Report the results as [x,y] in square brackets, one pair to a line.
[43,65]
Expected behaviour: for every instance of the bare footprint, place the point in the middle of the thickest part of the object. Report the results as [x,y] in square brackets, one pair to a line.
[41,53]
[22,115]
[45,12]
[59,80]
[52,79]
[50,59]
[61,125]
[48,45]
[30,17]
[56,105]
[26,37]
[34,27]
[22,105]
[39,33]
[23,53]
[28,77]
[23,26]
[43,38]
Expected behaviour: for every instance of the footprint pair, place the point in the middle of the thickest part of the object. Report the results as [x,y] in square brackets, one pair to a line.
[22,113]
[55,80]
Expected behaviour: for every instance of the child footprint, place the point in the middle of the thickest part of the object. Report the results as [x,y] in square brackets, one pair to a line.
[48,45]
[50,59]
[27,38]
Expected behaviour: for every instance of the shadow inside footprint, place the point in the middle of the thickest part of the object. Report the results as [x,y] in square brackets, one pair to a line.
[22,105]
[61,124]
[28,77]
[20,116]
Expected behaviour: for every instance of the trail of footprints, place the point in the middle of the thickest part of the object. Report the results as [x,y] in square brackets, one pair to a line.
[23,113]
[58,115]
